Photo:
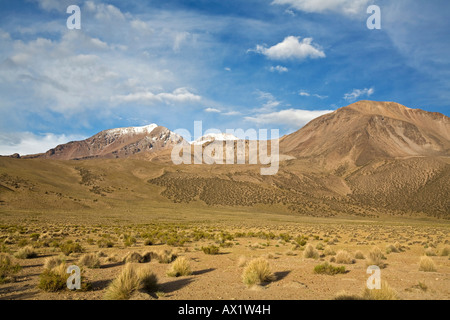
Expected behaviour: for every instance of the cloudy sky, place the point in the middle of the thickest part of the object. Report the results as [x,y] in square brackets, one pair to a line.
[273,64]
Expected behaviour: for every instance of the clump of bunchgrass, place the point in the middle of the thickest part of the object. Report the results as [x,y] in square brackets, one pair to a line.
[310,252]
[8,268]
[385,293]
[344,257]
[90,260]
[27,252]
[129,281]
[53,262]
[179,268]
[257,272]
[359,255]
[54,279]
[427,264]
[164,256]
[376,258]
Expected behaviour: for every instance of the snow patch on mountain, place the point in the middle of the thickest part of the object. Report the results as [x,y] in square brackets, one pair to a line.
[214,137]
[132,130]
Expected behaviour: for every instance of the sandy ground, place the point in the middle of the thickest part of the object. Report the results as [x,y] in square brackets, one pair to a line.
[217,277]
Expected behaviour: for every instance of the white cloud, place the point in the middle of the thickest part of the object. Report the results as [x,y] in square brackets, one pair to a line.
[142,26]
[180,38]
[279,69]
[58,5]
[212,110]
[304,93]
[270,104]
[180,95]
[356,93]
[346,7]
[25,143]
[294,118]
[291,48]
[232,113]
[105,12]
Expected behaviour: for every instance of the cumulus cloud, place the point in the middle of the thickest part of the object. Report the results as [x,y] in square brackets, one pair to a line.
[346,7]
[357,93]
[25,143]
[293,118]
[279,69]
[291,48]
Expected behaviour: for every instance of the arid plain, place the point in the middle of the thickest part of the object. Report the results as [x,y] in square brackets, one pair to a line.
[142,228]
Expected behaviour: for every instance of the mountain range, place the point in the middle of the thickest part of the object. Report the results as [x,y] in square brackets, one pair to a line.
[367,159]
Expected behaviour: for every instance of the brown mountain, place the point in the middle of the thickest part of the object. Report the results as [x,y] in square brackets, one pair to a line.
[116,143]
[369,130]
[369,159]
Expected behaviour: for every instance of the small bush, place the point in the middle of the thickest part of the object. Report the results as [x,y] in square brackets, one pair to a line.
[133,257]
[180,267]
[344,257]
[8,268]
[164,256]
[326,268]
[71,247]
[55,279]
[430,252]
[310,252]
[212,249]
[320,246]
[257,272]
[129,241]
[427,264]
[105,243]
[27,252]
[90,260]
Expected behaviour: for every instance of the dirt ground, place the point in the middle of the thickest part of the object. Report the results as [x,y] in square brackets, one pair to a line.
[219,277]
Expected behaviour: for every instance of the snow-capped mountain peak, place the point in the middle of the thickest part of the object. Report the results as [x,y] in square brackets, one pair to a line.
[214,137]
[133,130]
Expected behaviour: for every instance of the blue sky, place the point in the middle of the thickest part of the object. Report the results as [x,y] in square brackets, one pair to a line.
[273,64]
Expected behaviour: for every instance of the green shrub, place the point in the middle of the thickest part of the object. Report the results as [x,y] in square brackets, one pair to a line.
[326,268]
[55,279]
[71,247]
[104,243]
[8,268]
[212,249]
